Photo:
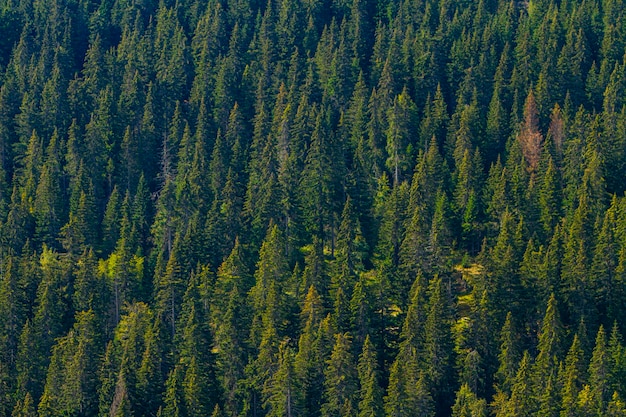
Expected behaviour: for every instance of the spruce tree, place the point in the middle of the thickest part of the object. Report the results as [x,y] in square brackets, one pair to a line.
[370,394]
[284,396]
[340,382]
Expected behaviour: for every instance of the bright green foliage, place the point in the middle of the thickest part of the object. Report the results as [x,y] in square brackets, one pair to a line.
[90,287]
[121,382]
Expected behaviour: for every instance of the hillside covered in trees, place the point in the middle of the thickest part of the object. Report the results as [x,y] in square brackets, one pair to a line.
[317,208]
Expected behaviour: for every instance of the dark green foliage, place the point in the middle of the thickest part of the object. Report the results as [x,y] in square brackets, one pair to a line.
[312,208]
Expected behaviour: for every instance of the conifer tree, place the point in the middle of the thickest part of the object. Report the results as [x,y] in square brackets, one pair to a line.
[402,394]
[438,344]
[467,404]
[549,344]
[370,394]
[200,391]
[173,400]
[284,397]
[271,275]
[14,301]
[49,204]
[402,122]
[604,264]
[70,382]
[509,356]
[520,403]
[599,374]
[90,290]
[340,383]
[549,198]
[309,361]
[574,376]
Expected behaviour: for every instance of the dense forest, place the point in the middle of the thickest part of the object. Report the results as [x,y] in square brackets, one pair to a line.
[319,208]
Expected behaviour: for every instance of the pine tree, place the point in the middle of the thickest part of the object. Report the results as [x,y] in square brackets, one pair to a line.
[574,376]
[70,382]
[200,391]
[350,252]
[169,288]
[599,375]
[340,383]
[509,356]
[604,264]
[271,274]
[13,310]
[173,400]
[111,222]
[467,404]
[503,262]
[150,375]
[90,289]
[49,204]
[319,186]
[230,339]
[399,147]
[549,344]
[233,275]
[495,196]
[435,119]
[48,323]
[284,396]
[521,401]
[261,200]
[496,125]
[549,198]
[438,344]
[402,394]
[549,399]
[315,271]
[370,394]
[617,359]
[309,361]
[122,376]
[25,407]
